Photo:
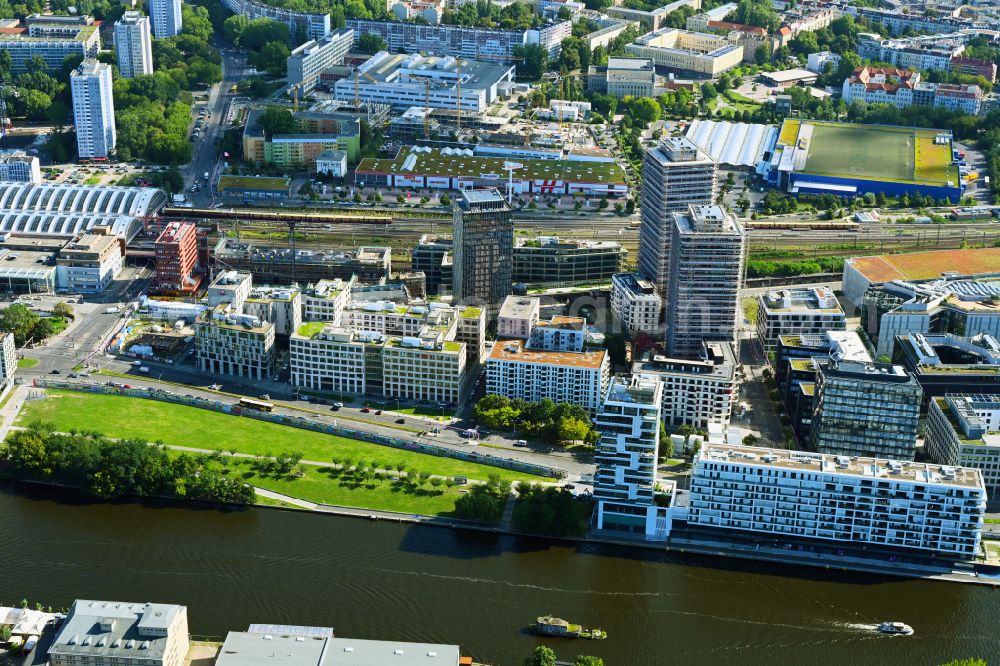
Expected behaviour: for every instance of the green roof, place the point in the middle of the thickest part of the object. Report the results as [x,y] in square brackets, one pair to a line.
[254,183]
[436,163]
[471,313]
[453,346]
[312,329]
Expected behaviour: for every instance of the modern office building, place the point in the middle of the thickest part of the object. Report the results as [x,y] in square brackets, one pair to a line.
[675,175]
[698,392]
[93,110]
[944,364]
[694,54]
[18,166]
[461,41]
[626,454]
[52,38]
[176,258]
[516,371]
[230,288]
[518,315]
[281,645]
[167,21]
[963,429]
[405,80]
[111,633]
[707,255]
[483,233]
[864,409]
[230,343]
[856,502]
[623,77]
[551,260]
[325,300]
[805,311]
[635,303]
[133,45]
[281,306]
[651,19]
[309,60]
[90,262]
[433,256]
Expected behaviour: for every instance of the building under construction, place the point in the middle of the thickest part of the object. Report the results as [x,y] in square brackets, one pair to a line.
[283,265]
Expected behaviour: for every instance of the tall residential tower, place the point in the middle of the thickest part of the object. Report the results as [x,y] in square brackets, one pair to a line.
[706,271]
[133,45]
[93,110]
[483,233]
[166,17]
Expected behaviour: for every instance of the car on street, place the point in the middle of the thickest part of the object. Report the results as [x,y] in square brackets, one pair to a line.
[521,444]
[400,420]
[56,371]
[365,410]
[265,396]
[337,405]
[569,486]
[378,412]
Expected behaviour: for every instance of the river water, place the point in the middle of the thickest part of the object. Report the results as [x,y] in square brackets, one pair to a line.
[380,580]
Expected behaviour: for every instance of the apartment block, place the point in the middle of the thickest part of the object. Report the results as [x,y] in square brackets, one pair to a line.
[579,378]
[864,409]
[18,166]
[8,358]
[695,54]
[560,333]
[281,306]
[111,633]
[167,20]
[817,62]
[874,502]
[133,45]
[483,233]
[470,329]
[230,343]
[326,300]
[626,454]
[230,288]
[699,393]
[518,315]
[93,110]
[89,263]
[809,311]
[963,429]
[52,38]
[311,59]
[635,303]
[975,67]
[302,25]
[928,52]
[707,255]
[551,260]
[675,175]
[176,258]
[902,88]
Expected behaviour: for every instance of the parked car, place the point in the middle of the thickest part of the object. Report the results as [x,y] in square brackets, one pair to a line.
[337,405]
[378,412]
[521,443]
[365,410]
[400,420]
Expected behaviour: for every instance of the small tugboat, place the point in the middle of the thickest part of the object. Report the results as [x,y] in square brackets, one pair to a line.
[895,629]
[554,626]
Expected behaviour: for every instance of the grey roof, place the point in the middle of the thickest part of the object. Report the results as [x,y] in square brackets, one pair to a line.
[106,629]
[260,649]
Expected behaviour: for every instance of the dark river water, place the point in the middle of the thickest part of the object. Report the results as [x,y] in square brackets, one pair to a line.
[378,580]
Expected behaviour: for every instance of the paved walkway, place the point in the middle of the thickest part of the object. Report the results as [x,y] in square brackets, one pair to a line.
[287,499]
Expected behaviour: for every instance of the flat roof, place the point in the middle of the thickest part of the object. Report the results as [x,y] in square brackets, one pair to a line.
[787,75]
[519,306]
[105,630]
[882,469]
[927,265]
[514,350]
[255,182]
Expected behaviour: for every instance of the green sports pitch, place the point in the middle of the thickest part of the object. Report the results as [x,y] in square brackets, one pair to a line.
[877,152]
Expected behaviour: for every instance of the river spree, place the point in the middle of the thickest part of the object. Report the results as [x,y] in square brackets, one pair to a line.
[379,580]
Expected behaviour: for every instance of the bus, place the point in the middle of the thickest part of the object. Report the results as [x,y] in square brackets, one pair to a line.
[259,405]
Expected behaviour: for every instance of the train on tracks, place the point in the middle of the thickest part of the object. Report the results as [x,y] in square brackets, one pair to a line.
[816,225]
[281,217]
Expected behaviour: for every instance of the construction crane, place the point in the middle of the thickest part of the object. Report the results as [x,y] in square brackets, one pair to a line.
[357,87]
[427,109]
[458,97]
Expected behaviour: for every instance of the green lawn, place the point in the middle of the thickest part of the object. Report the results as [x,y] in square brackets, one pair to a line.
[27,362]
[179,425]
[855,150]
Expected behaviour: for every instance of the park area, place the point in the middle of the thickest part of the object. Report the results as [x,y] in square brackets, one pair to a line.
[358,479]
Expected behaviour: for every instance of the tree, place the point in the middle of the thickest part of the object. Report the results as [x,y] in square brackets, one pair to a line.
[63,309]
[371,43]
[234,26]
[271,58]
[532,61]
[20,321]
[261,31]
[277,120]
[542,656]
[750,440]
[586,660]
[644,111]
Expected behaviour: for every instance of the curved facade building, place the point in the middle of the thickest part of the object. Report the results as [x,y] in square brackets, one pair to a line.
[68,210]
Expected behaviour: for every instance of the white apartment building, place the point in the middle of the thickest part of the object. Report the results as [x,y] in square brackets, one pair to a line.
[8,358]
[706,274]
[429,368]
[311,59]
[17,165]
[166,15]
[326,300]
[111,633]
[228,343]
[817,62]
[133,45]
[52,38]
[332,162]
[230,288]
[93,110]
[635,303]
[964,430]
[675,175]
[927,508]
[625,485]
[518,315]
[282,306]
[579,378]
[560,333]
[928,52]
[805,311]
[698,392]
[331,358]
